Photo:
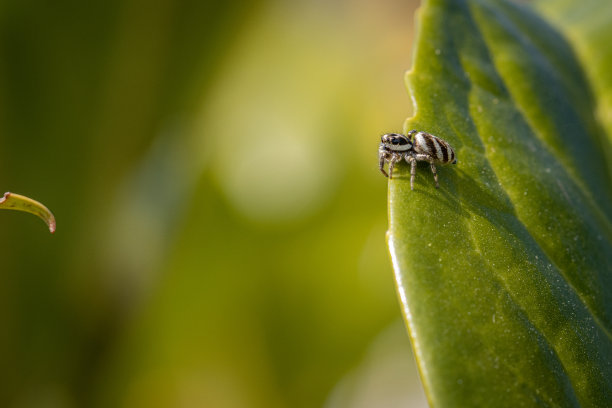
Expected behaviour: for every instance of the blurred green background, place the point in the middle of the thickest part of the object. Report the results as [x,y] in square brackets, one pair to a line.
[221,218]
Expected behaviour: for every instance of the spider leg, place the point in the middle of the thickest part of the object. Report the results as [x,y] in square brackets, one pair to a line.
[413,164]
[382,158]
[430,159]
[435,173]
[394,158]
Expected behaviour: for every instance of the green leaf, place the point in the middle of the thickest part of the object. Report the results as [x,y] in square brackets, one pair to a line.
[587,25]
[505,272]
[12,201]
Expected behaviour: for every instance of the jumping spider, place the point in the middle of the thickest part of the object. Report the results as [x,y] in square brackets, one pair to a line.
[413,147]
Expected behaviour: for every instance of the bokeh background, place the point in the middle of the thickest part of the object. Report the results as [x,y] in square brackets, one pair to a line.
[221,218]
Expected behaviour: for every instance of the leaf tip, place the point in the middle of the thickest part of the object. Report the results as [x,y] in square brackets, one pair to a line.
[18,202]
[51,224]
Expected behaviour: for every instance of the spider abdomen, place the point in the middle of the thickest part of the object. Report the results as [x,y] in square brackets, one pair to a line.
[438,149]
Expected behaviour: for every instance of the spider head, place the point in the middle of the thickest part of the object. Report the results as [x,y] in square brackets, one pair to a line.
[395,142]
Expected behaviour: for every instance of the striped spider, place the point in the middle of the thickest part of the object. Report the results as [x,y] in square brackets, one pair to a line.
[413,147]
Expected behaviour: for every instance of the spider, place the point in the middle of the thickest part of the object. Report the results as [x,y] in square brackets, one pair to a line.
[413,147]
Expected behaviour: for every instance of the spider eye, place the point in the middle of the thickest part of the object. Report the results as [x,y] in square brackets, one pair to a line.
[395,141]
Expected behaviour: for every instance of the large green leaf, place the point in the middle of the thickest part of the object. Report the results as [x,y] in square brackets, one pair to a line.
[505,272]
